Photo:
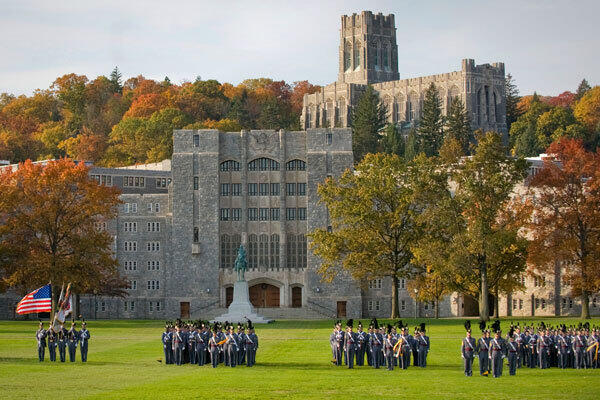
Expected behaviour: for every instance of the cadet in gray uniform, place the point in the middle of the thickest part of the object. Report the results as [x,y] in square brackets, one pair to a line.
[84,336]
[178,345]
[62,343]
[40,335]
[376,343]
[423,346]
[167,342]
[231,348]
[52,339]
[512,350]
[388,348]
[214,347]
[350,343]
[497,355]
[361,343]
[405,351]
[251,344]
[200,345]
[73,339]
[579,346]
[467,349]
[543,350]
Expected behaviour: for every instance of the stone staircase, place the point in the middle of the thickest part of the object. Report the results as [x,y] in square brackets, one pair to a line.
[269,313]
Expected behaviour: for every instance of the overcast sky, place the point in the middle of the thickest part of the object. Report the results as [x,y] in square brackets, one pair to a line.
[548,46]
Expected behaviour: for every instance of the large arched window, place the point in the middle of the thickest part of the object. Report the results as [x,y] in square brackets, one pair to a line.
[225,252]
[229,165]
[274,253]
[252,251]
[347,56]
[263,164]
[301,251]
[295,165]
[291,251]
[263,250]
[356,55]
[400,116]
[386,56]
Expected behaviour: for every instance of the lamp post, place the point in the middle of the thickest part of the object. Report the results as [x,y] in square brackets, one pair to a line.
[416,303]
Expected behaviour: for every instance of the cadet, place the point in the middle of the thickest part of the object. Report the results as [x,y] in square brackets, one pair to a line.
[213,345]
[178,345]
[376,343]
[388,348]
[230,348]
[483,348]
[62,343]
[84,336]
[405,350]
[200,345]
[519,338]
[579,344]
[543,350]
[496,355]
[513,353]
[167,342]
[51,342]
[251,345]
[361,341]
[563,348]
[468,350]
[40,335]
[532,350]
[191,345]
[350,343]
[73,339]
[423,348]
[337,340]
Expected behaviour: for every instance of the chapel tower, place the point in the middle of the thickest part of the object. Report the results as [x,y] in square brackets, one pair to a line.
[368,51]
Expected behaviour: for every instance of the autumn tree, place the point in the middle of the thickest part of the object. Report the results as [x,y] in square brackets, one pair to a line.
[70,90]
[565,219]
[429,286]
[431,123]
[582,89]
[369,117]
[513,111]
[50,228]
[376,216]
[587,109]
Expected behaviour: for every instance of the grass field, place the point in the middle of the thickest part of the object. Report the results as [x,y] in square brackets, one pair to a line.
[293,361]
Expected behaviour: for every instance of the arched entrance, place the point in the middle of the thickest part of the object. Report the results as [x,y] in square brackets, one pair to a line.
[264,295]
[296,297]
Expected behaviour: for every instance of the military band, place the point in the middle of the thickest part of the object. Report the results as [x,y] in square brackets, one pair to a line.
[196,343]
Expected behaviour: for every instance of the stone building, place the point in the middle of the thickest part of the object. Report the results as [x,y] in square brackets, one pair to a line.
[368,55]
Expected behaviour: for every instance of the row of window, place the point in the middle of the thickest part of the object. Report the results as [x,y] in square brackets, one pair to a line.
[262,214]
[376,283]
[263,164]
[375,305]
[132,208]
[131,246]
[151,265]
[134,181]
[105,180]
[150,285]
[129,306]
[263,250]
[132,226]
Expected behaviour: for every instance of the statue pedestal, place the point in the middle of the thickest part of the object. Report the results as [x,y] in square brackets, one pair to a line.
[240,309]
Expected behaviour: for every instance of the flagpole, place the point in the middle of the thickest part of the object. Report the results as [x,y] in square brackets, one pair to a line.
[51,304]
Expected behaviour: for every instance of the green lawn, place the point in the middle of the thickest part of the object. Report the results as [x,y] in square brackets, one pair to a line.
[293,362]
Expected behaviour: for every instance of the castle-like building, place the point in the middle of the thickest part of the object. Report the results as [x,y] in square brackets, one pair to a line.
[181,221]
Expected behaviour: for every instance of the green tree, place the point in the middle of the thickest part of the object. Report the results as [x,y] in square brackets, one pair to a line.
[368,119]
[411,146]
[376,217]
[238,110]
[70,90]
[556,123]
[523,133]
[392,141]
[582,89]
[458,124]
[115,81]
[512,101]
[431,124]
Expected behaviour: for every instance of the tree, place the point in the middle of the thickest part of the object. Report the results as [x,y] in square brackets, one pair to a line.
[458,124]
[587,110]
[70,90]
[523,132]
[431,124]
[565,218]
[556,123]
[411,146]
[512,101]
[471,238]
[429,286]
[50,215]
[582,89]
[115,80]
[369,117]
[392,142]
[375,215]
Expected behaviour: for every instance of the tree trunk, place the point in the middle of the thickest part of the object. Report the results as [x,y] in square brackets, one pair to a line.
[496,304]
[437,309]
[394,297]
[484,310]
[585,305]
[77,306]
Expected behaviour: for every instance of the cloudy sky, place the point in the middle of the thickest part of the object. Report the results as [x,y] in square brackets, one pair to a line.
[547,45]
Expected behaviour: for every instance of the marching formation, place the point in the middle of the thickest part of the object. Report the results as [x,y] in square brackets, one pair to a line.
[389,346]
[64,340]
[533,347]
[196,343]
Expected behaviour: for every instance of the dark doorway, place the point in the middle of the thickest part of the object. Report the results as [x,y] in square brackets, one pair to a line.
[470,306]
[341,309]
[184,308]
[264,295]
[228,296]
[296,297]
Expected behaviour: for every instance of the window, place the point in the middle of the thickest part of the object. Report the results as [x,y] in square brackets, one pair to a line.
[290,189]
[196,140]
[543,304]
[520,304]
[102,306]
[252,214]
[302,214]
[252,251]
[375,284]
[263,214]
[301,251]
[329,138]
[100,226]
[301,189]
[161,182]
[263,164]
[514,304]
[196,183]
[229,165]
[130,265]
[236,189]
[153,285]
[130,208]
[153,265]
[130,226]
[290,214]
[291,251]
[564,303]
[131,285]
[274,214]
[236,214]
[224,214]
[357,55]
[570,302]
[295,165]
[263,250]
[196,235]
[151,306]
[263,189]
[158,306]
[402,283]
[153,246]
[134,181]
[373,305]
[386,58]
[130,247]
[153,226]
[252,189]
[154,207]
[105,180]
[426,306]
[274,251]
[537,303]
[403,305]
[224,189]
[274,189]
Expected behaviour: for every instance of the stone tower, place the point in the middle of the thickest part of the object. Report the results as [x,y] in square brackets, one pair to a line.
[368,49]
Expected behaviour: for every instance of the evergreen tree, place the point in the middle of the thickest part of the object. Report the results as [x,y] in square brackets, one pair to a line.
[431,124]
[115,80]
[368,118]
[512,101]
[393,141]
[582,89]
[411,145]
[167,81]
[238,110]
[523,133]
[458,124]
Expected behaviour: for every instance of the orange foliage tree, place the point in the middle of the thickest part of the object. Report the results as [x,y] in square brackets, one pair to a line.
[52,228]
[565,218]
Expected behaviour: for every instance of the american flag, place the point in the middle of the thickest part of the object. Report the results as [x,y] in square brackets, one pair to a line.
[38,301]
